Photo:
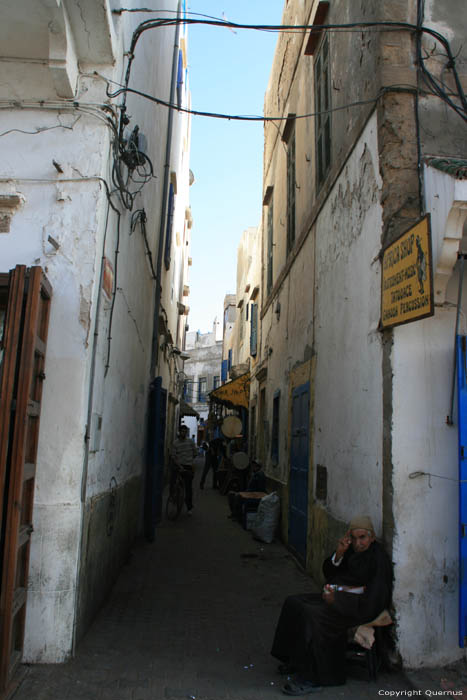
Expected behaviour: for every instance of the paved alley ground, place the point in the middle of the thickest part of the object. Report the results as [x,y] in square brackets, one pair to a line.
[191,616]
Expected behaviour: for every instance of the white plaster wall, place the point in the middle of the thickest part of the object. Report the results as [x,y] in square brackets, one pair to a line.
[426,508]
[348,405]
[70,213]
[72,209]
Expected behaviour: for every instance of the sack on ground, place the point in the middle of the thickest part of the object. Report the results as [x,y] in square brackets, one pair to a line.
[267,518]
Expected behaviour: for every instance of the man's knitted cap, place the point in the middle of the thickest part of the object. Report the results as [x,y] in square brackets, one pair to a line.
[362,522]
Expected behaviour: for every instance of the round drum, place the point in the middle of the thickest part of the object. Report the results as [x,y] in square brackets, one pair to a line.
[240,460]
[231,426]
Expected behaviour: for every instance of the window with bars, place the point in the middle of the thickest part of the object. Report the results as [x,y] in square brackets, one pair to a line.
[322,107]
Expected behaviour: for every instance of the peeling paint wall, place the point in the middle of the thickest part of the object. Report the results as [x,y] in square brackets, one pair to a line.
[425,512]
[380,399]
[348,408]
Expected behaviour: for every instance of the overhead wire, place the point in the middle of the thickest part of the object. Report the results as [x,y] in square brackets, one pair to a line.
[132,165]
[256,118]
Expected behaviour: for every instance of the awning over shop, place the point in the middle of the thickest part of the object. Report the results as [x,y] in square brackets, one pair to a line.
[233,394]
[187,410]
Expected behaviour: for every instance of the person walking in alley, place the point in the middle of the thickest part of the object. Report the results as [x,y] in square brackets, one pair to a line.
[210,462]
[183,454]
[311,634]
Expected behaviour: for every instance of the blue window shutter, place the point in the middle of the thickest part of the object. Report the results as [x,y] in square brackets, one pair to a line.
[170,223]
[254,329]
[229,365]
[224,371]
[180,78]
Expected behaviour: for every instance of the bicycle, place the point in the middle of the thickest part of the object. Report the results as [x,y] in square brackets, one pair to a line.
[176,497]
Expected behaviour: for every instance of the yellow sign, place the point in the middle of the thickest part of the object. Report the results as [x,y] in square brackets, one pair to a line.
[407,278]
[234,393]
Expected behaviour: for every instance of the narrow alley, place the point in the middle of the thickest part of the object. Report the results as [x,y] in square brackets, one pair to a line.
[191,616]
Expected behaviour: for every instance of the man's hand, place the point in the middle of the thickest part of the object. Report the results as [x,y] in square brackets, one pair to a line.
[343,545]
[328,594]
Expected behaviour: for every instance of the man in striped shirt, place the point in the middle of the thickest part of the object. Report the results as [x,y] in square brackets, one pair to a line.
[183,453]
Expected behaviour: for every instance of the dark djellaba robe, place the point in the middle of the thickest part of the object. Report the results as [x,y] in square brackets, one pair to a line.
[311,635]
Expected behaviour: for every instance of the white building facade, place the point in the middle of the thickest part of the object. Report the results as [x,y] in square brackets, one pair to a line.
[94,193]
[353,413]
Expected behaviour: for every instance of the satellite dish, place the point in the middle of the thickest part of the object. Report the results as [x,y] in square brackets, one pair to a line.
[240,460]
[231,426]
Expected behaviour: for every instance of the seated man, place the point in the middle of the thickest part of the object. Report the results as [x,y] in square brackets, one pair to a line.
[311,635]
[255,490]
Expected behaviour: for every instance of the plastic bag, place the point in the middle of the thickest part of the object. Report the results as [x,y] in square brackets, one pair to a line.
[267,518]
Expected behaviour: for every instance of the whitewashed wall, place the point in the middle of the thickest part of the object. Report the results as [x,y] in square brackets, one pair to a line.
[426,508]
[71,207]
[71,213]
[348,405]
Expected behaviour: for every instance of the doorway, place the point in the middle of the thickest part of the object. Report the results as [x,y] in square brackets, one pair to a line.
[299,465]
[25,307]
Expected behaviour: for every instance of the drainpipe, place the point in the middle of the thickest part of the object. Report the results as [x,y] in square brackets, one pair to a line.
[165,189]
[84,475]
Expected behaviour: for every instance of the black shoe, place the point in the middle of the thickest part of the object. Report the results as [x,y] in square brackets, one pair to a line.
[286,669]
[300,686]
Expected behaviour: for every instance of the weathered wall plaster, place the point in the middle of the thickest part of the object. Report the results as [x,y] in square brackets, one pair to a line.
[63,227]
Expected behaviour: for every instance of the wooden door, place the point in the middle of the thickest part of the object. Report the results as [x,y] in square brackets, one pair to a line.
[299,466]
[21,379]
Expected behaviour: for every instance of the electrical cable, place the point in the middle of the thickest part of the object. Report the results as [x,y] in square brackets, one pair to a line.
[257,118]
[140,216]
[418,29]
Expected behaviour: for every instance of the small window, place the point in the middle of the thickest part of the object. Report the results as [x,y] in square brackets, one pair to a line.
[323,109]
[229,361]
[202,387]
[289,137]
[216,381]
[275,428]
[270,251]
[254,330]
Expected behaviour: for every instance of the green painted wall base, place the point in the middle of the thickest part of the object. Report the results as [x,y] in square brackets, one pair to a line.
[111,523]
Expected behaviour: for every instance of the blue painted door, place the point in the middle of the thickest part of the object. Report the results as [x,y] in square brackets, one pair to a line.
[299,465]
[462,406]
[155,457]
